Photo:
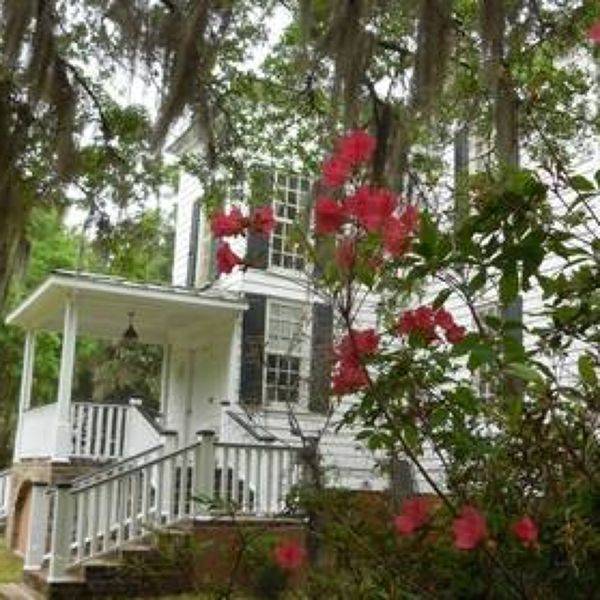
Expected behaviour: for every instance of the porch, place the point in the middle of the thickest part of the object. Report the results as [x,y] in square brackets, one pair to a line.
[180,320]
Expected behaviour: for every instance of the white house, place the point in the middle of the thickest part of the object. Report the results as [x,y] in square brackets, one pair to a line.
[242,389]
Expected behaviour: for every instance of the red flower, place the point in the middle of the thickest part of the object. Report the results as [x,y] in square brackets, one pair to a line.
[470,529]
[290,555]
[335,171]
[527,531]
[223,224]
[349,377]
[456,334]
[410,218]
[593,33]
[262,220]
[444,319]
[414,514]
[424,321]
[329,215]
[396,238]
[227,260]
[358,343]
[345,255]
[372,207]
[356,147]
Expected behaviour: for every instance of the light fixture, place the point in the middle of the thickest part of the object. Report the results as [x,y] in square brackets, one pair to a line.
[130,335]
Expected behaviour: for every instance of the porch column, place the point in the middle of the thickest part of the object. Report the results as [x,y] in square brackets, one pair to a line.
[165,383]
[25,390]
[62,440]
[38,527]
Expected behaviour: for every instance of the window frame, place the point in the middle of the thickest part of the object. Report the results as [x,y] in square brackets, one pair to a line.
[304,353]
[276,174]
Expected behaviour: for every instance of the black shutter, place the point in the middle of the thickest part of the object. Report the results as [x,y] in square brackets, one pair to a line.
[253,347]
[261,192]
[321,358]
[193,245]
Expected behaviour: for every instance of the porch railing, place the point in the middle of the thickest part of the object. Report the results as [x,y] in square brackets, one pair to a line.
[99,516]
[99,430]
[4,492]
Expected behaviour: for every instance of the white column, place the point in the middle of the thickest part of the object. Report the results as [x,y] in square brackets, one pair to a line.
[188,414]
[165,377]
[62,440]
[25,390]
[62,532]
[38,527]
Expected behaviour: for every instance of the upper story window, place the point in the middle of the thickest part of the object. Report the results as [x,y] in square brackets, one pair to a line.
[287,353]
[290,195]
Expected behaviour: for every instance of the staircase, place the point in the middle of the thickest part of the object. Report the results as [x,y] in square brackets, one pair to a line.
[89,529]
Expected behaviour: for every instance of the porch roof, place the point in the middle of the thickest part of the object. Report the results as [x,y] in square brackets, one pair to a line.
[160,312]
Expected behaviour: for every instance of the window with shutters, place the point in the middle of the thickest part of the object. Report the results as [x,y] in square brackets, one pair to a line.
[287,353]
[290,198]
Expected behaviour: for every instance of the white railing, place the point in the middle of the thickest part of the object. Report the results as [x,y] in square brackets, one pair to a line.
[95,517]
[98,430]
[4,492]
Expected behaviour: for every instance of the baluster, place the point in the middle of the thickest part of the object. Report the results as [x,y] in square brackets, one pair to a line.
[269,480]
[182,484]
[235,477]
[93,518]
[146,497]
[98,435]
[224,475]
[80,530]
[87,423]
[258,482]
[121,431]
[171,489]
[77,427]
[246,490]
[279,501]
[111,445]
[135,489]
[108,488]
[159,493]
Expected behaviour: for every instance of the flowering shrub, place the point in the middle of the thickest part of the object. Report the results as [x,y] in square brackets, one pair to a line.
[518,512]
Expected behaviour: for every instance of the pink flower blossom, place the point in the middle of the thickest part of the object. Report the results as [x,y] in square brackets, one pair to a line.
[356,147]
[593,33]
[223,224]
[329,216]
[410,218]
[358,343]
[345,255]
[349,377]
[470,529]
[290,555]
[396,238]
[414,514]
[372,207]
[262,220]
[335,171]
[526,531]
[227,260]
[456,334]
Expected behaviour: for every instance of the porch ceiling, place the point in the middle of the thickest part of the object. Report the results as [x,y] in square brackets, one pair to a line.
[161,313]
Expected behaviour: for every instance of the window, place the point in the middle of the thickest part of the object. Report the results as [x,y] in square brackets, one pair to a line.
[290,193]
[287,353]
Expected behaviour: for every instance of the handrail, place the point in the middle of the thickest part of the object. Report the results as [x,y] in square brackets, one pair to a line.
[250,428]
[115,465]
[185,449]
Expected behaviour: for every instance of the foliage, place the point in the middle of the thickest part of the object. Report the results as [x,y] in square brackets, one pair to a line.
[103,371]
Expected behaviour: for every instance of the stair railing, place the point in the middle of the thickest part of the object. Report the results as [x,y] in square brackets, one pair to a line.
[100,516]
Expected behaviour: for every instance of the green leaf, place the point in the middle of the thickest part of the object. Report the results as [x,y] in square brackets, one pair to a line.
[441,298]
[587,371]
[524,372]
[581,184]
[480,355]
